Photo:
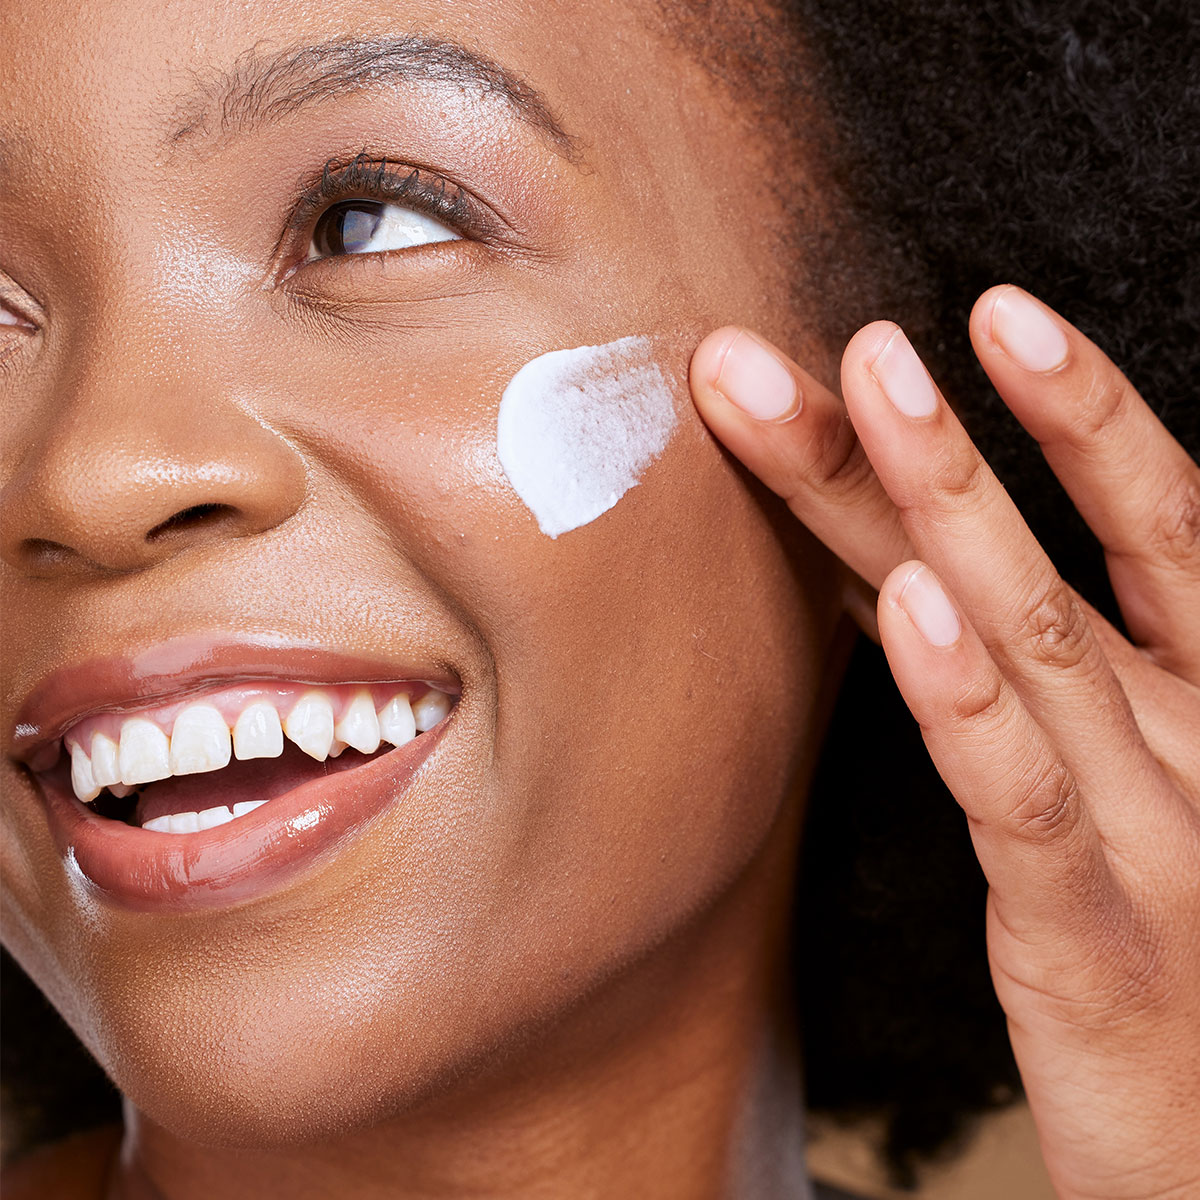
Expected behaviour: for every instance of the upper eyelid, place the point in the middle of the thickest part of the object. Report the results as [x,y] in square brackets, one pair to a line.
[18,301]
[371,176]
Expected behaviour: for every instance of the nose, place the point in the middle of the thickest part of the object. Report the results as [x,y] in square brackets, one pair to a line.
[118,470]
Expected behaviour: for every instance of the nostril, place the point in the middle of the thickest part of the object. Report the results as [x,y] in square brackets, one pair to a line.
[195,517]
[43,554]
[199,522]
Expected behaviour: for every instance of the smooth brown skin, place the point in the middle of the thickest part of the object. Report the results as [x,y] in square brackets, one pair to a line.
[512,987]
[552,970]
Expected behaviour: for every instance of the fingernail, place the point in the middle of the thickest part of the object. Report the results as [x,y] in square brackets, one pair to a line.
[1027,333]
[754,379]
[904,379]
[929,608]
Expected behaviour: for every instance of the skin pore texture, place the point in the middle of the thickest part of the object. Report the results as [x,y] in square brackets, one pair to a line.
[578,427]
[554,965]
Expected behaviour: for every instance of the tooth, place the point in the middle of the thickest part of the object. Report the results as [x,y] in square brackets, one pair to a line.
[430,709]
[246,806]
[310,725]
[188,822]
[105,770]
[82,782]
[119,790]
[145,752]
[396,723]
[159,824]
[199,741]
[258,733]
[360,726]
[337,747]
[213,816]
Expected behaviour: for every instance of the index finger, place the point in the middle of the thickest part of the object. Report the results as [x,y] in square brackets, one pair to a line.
[795,435]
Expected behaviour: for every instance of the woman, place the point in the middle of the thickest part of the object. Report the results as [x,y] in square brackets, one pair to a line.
[289,439]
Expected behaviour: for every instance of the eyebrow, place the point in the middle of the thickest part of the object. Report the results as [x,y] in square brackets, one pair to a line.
[260,88]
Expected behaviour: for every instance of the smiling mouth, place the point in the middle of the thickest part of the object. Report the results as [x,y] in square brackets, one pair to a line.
[202,772]
[185,767]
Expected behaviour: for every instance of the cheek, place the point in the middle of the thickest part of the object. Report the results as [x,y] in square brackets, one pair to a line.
[651,674]
[662,673]
[654,668]
[577,428]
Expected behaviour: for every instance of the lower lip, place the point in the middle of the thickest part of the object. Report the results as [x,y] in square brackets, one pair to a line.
[244,859]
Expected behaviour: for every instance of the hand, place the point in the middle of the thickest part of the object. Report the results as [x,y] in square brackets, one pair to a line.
[1074,752]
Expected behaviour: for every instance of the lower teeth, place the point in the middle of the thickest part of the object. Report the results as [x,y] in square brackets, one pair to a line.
[266,778]
[191,822]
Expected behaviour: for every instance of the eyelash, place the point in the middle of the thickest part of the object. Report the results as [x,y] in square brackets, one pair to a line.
[364,177]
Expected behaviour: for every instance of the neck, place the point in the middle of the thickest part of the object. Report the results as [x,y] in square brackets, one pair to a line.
[678,1080]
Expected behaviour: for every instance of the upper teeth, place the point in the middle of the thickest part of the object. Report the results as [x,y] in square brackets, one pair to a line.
[199,741]
[310,725]
[202,739]
[145,753]
[257,732]
[106,769]
[359,727]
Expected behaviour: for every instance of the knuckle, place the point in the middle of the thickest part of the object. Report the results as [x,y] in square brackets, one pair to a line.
[1054,630]
[980,703]
[1177,533]
[1048,804]
[838,456]
[1108,393]
[831,460]
[959,479]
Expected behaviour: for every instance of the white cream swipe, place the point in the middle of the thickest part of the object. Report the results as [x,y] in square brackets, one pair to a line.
[578,427]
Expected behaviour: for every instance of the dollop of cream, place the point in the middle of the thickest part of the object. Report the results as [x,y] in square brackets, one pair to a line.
[577,428]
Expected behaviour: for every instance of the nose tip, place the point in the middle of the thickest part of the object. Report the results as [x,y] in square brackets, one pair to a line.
[94,505]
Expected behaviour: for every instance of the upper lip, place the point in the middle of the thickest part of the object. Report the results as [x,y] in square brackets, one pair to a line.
[190,664]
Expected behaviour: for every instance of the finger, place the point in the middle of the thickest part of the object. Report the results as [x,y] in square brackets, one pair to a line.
[1165,706]
[962,522]
[1134,484]
[1036,839]
[795,436]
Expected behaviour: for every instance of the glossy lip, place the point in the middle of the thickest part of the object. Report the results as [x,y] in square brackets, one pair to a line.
[184,665]
[241,860]
[245,858]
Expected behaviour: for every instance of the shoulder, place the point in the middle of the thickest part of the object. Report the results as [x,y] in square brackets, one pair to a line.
[72,1169]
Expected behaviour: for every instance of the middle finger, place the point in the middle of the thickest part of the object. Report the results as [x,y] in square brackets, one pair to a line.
[963,523]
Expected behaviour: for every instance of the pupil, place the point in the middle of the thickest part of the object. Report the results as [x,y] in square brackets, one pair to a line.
[348,228]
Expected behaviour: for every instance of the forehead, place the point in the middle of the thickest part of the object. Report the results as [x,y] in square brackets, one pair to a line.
[110,72]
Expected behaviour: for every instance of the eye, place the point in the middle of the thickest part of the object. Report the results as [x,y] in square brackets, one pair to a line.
[11,321]
[368,226]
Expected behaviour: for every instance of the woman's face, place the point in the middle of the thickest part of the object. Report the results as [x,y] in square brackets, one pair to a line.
[230,442]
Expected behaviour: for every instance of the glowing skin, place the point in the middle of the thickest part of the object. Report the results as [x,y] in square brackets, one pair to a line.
[549,965]
[578,427]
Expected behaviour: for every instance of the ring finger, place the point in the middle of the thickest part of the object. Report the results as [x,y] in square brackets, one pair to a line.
[1136,486]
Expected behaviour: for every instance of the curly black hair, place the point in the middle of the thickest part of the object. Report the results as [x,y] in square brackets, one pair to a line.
[1053,145]
[1056,146]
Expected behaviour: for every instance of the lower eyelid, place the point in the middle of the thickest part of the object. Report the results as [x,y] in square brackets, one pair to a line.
[392,266]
